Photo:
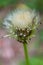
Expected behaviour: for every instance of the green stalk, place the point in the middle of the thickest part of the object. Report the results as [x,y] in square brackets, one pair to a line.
[26,54]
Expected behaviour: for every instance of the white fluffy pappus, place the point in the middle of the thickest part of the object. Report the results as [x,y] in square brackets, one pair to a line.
[21,19]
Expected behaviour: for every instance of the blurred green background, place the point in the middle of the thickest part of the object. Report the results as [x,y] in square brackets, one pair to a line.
[34,4]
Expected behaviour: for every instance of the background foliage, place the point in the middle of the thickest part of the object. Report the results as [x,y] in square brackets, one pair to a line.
[36,4]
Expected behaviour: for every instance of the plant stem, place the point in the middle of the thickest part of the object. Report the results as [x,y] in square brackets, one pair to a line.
[26,54]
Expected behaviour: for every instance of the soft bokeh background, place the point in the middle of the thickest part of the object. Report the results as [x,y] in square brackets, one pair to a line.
[11,51]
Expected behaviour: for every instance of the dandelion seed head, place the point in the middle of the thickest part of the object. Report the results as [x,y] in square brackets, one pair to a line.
[22,21]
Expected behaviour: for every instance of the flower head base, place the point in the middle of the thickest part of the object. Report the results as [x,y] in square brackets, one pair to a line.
[21,23]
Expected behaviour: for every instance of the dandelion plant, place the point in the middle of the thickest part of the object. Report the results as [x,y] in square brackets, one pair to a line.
[21,24]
